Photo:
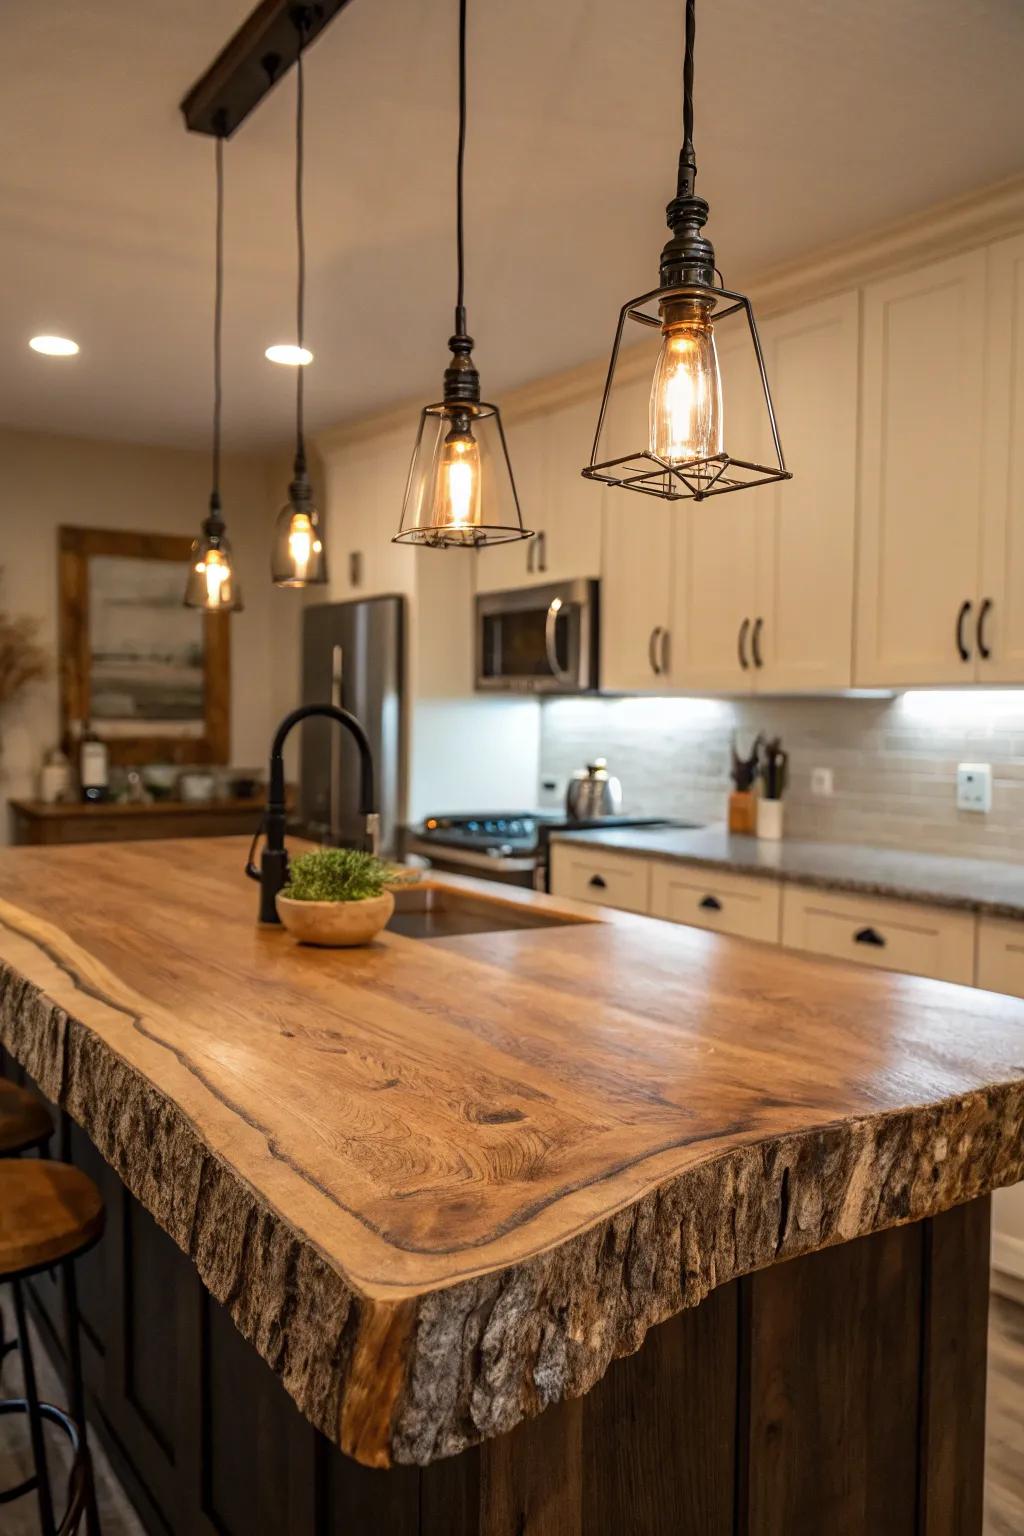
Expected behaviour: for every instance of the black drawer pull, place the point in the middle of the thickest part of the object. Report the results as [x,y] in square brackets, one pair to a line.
[984,650]
[599,881]
[869,936]
[711,904]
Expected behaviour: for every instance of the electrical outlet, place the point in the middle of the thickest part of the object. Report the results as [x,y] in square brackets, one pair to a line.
[974,787]
[822,781]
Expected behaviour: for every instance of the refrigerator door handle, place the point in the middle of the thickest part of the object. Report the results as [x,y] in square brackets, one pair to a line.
[334,812]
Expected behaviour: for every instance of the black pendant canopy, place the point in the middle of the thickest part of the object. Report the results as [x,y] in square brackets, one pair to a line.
[461,491]
[298,557]
[212,584]
[681,450]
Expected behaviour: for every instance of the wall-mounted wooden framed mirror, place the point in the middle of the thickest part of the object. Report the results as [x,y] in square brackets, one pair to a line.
[152,677]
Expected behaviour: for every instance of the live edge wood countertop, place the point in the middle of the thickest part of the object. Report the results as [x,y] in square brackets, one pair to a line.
[442,1184]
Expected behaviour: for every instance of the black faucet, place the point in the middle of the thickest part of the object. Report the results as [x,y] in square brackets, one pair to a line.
[272,873]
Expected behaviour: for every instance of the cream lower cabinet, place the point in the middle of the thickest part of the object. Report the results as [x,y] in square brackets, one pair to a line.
[876,931]
[999,628]
[1001,969]
[743,905]
[611,878]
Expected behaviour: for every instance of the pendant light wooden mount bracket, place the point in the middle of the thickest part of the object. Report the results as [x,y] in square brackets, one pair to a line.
[262,51]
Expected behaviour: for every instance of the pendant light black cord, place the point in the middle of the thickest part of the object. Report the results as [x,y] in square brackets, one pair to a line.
[218,317]
[687,158]
[460,303]
[300,235]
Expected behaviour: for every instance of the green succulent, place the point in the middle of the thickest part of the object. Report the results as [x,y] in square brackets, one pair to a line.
[337,874]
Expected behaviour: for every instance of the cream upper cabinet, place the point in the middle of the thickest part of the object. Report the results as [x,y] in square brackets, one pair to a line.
[999,633]
[516,564]
[547,452]
[920,474]
[636,572]
[805,526]
[714,573]
[364,487]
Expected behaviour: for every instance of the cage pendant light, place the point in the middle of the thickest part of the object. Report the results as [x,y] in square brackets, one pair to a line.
[212,583]
[685,447]
[461,490]
[298,558]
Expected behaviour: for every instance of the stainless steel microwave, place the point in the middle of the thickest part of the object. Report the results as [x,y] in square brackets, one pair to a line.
[538,639]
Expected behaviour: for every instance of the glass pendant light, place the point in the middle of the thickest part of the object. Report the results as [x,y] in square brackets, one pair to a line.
[460,491]
[212,584]
[298,558]
[683,449]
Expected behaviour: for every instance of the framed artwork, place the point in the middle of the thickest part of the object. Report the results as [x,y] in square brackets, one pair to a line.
[152,677]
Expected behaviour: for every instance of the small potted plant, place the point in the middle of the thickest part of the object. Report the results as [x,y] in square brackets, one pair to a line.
[337,897]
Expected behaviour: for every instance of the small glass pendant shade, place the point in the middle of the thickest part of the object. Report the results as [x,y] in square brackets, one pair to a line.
[298,557]
[706,424]
[212,584]
[460,491]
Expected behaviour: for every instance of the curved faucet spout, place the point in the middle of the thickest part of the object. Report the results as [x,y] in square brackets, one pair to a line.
[273,867]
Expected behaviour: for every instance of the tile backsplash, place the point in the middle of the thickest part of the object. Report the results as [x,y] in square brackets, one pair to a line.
[893,761]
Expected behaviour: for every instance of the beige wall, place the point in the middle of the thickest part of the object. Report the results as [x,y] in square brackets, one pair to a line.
[47,481]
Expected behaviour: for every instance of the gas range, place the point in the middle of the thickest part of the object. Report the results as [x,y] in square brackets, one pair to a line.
[505,845]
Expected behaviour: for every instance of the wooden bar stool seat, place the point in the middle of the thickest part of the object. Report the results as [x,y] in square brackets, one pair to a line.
[25,1121]
[50,1213]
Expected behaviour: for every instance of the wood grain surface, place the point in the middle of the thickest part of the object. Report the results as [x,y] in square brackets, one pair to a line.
[48,1212]
[442,1185]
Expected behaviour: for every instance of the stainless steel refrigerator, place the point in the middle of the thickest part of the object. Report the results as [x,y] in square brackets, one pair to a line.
[352,655]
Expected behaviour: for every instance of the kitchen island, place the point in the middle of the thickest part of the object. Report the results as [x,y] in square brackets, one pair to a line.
[442,1186]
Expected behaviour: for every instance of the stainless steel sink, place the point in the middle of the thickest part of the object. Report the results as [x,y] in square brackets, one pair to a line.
[436,912]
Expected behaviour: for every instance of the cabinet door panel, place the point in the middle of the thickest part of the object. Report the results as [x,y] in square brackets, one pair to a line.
[714,552]
[1002,580]
[571,546]
[506,566]
[921,456]
[805,526]
[364,490]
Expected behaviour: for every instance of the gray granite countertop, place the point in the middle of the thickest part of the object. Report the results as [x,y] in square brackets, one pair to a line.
[976,885]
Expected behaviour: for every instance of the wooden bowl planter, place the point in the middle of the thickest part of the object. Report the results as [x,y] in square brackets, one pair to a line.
[335,924]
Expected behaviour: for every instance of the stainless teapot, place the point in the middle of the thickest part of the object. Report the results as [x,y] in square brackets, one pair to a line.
[592,793]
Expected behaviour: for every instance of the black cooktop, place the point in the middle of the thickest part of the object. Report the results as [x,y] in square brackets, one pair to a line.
[519,831]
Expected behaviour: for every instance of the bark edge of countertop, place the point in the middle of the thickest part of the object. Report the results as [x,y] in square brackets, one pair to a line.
[416,1380]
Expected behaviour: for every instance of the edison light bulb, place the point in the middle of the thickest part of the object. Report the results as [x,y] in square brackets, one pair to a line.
[298,558]
[211,584]
[457,505]
[686,396]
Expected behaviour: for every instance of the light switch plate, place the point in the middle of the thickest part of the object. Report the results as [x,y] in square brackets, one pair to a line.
[822,781]
[974,787]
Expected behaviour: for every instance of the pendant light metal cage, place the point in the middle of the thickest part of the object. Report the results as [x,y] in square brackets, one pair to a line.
[641,469]
[428,515]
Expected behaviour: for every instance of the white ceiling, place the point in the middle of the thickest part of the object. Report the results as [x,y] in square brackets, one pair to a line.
[816,120]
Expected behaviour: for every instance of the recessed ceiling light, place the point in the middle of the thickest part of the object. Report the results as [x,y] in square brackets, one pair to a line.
[54,346]
[286,352]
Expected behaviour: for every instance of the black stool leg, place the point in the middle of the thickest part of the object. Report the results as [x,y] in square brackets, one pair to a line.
[76,1390]
[35,1421]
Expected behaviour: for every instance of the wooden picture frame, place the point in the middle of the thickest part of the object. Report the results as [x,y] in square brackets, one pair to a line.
[194,692]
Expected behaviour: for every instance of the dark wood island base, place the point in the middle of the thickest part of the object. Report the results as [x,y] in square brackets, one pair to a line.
[842,1392]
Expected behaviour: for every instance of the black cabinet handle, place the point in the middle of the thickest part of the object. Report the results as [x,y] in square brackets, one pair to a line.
[542,554]
[755,642]
[652,649]
[531,554]
[984,649]
[663,652]
[711,904]
[961,619]
[599,881]
[869,936]
[741,644]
